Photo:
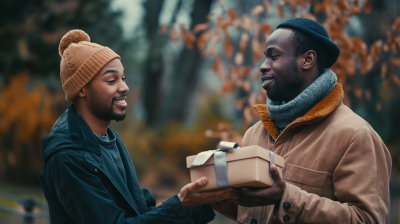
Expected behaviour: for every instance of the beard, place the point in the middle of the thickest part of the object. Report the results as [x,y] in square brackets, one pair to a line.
[103,111]
[288,92]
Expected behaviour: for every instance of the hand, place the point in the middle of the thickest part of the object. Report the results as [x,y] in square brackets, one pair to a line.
[190,197]
[263,196]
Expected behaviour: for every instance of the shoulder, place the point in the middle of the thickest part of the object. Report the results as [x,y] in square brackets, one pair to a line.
[343,119]
[256,128]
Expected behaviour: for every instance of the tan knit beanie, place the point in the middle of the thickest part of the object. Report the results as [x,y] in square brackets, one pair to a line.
[80,61]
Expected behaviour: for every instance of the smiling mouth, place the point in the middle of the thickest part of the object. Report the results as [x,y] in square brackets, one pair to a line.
[266,79]
[120,101]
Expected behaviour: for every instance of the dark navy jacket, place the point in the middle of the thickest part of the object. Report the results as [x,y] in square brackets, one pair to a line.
[82,185]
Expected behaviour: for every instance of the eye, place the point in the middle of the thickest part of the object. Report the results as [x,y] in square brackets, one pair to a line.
[274,57]
[111,81]
[123,79]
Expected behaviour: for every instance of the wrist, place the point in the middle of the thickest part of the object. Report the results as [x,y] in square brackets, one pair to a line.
[182,199]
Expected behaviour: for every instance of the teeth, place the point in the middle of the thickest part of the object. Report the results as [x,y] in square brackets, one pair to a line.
[265,82]
[120,101]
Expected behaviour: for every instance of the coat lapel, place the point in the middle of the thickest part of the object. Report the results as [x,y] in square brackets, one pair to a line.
[105,165]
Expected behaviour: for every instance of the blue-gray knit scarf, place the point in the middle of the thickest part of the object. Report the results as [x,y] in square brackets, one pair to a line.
[283,113]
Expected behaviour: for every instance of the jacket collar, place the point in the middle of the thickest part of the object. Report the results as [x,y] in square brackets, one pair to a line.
[80,133]
[317,113]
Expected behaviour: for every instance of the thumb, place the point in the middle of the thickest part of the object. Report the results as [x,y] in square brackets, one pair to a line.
[198,183]
[275,173]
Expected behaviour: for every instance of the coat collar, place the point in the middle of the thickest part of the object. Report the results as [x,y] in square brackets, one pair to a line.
[80,133]
[317,113]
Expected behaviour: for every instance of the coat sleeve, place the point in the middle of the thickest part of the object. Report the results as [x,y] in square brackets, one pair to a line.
[86,200]
[361,183]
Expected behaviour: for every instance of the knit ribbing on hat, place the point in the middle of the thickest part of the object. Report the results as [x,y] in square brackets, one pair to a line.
[87,71]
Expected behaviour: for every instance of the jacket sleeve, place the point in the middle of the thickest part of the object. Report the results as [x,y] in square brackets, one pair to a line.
[86,200]
[361,183]
[200,213]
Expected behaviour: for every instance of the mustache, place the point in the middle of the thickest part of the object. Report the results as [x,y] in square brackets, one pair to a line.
[115,97]
[264,74]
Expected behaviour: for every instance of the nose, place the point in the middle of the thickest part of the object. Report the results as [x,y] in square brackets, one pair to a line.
[123,88]
[265,67]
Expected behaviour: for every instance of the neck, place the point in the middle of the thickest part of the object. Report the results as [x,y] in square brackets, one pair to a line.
[97,125]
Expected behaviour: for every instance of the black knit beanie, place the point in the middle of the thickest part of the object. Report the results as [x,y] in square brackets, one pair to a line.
[317,32]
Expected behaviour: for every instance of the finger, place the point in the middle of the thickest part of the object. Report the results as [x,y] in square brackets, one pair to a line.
[197,184]
[275,173]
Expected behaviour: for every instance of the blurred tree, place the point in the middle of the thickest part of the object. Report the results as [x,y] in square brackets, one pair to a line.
[32,29]
[185,77]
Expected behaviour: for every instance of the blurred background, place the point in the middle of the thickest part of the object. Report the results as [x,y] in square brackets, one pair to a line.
[192,68]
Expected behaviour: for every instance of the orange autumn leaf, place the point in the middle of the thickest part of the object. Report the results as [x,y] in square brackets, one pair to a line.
[309,16]
[232,14]
[396,25]
[214,67]
[395,79]
[243,41]
[163,28]
[239,103]
[368,94]
[247,23]
[267,6]
[172,33]
[257,10]
[395,61]
[188,37]
[386,48]
[280,10]
[358,92]
[247,85]
[378,106]
[201,27]
[267,28]
[227,86]
[221,70]
[228,46]
[203,39]
[386,84]
[239,58]
[384,68]
[368,6]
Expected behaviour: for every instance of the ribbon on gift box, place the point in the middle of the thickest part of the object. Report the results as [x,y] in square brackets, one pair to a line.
[221,171]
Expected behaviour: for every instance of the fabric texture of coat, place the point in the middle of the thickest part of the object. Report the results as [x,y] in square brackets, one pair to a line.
[337,168]
[82,184]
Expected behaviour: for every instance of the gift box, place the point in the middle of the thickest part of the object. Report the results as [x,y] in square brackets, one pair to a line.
[231,166]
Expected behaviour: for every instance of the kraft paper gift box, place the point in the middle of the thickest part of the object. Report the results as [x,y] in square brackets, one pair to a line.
[236,167]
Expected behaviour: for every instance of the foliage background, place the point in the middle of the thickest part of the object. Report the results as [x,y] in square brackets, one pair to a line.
[192,67]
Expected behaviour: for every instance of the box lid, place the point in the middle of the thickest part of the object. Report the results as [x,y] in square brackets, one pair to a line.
[242,153]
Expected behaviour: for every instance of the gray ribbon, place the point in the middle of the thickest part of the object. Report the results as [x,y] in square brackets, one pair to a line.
[271,162]
[221,171]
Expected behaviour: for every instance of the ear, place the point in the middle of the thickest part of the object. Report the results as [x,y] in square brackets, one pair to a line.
[83,92]
[310,58]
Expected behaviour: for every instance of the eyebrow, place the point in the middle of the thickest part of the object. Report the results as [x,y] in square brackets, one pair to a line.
[111,71]
[270,49]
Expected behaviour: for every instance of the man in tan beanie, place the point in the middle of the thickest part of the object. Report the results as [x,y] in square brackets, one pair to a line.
[87,174]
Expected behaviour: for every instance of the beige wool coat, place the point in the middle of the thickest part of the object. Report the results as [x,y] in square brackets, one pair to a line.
[337,168]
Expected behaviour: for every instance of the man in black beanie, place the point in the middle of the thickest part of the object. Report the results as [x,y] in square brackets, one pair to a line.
[337,168]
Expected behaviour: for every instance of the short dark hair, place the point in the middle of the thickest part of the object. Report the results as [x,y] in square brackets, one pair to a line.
[303,43]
